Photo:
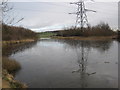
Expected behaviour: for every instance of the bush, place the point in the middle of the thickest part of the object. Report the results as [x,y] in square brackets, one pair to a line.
[101,29]
[10,65]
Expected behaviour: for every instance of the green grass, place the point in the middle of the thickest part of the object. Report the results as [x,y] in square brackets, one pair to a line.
[46,34]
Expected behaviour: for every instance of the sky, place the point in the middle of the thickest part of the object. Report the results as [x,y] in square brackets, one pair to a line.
[60,0]
[41,16]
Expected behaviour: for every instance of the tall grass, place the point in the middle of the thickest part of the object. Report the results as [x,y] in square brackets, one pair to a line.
[101,29]
[10,65]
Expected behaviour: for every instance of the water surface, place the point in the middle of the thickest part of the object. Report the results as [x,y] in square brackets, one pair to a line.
[52,63]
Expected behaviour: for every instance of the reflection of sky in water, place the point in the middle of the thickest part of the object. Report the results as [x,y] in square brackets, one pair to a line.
[50,44]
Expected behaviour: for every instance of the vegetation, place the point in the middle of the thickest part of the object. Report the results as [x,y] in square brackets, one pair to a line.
[10,47]
[17,33]
[98,30]
[14,39]
[46,34]
[118,35]
[8,18]
[9,82]
[17,84]
[10,65]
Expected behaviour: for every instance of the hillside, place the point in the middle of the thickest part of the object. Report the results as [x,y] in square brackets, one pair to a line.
[16,33]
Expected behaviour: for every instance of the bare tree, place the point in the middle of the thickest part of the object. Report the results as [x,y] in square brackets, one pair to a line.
[8,18]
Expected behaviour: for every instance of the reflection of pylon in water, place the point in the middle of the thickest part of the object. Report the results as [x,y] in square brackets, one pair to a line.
[82,61]
[83,64]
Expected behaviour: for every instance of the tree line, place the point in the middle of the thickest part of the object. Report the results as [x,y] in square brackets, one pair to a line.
[16,33]
[101,29]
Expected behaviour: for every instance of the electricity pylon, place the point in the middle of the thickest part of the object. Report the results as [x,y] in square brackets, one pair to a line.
[81,16]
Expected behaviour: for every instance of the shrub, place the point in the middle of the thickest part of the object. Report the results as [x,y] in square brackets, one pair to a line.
[101,29]
[10,65]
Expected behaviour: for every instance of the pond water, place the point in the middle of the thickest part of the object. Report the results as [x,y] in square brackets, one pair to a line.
[52,63]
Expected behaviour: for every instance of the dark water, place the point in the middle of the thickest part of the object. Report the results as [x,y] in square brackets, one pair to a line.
[69,64]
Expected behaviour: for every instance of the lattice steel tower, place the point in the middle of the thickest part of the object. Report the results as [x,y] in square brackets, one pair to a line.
[81,16]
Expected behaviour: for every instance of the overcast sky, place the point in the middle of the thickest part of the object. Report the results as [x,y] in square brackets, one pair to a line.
[60,0]
[47,16]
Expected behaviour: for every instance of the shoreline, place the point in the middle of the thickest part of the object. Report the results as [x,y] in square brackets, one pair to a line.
[17,41]
[86,38]
[8,80]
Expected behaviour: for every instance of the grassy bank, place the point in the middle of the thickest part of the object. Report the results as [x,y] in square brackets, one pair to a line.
[10,66]
[14,39]
[4,43]
[9,82]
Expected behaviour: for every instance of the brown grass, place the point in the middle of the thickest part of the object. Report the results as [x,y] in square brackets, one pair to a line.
[10,65]
[16,41]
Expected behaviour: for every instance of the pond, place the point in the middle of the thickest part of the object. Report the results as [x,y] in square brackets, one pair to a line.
[54,63]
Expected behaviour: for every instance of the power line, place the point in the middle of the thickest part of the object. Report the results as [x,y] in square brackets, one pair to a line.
[58,5]
[51,4]
[38,11]
[81,16]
